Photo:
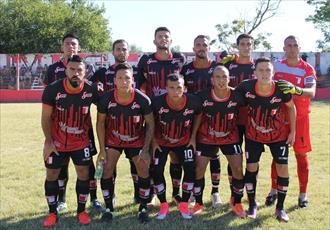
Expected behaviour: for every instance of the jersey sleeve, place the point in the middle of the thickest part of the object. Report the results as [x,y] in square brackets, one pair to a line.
[102,105]
[49,76]
[197,103]
[96,94]
[48,96]
[96,76]
[310,76]
[239,97]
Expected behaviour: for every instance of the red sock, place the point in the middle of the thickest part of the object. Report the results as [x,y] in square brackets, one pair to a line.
[303,172]
[274,175]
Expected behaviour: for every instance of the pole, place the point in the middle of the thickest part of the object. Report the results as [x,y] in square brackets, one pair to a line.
[17,73]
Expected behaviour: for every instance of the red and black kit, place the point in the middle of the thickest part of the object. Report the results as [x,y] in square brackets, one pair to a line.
[55,72]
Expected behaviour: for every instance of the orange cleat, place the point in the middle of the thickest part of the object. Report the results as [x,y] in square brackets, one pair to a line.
[50,221]
[197,209]
[84,218]
[238,210]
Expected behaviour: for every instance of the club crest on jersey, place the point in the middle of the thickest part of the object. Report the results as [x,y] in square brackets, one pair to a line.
[250,95]
[150,60]
[231,104]
[208,103]
[136,119]
[162,110]
[189,71]
[188,111]
[275,100]
[59,69]
[186,123]
[112,104]
[230,116]
[85,109]
[135,105]
[273,112]
[86,95]
[60,95]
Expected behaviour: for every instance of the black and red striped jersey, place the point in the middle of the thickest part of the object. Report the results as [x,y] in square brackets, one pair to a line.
[219,118]
[55,72]
[173,126]
[124,125]
[71,118]
[265,114]
[197,79]
[156,70]
[106,77]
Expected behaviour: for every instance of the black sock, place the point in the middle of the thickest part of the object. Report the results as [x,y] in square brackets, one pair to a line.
[92,182]
[144,191]
[134,178]
[51,193]
[107,191]
[176,174]
[199,189]
[230,178]
[63,178]
[237,190]
[82,190]
[282,188]
[250,179]
[215,169]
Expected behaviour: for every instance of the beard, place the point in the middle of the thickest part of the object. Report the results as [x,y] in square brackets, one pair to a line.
[120,60]
[73,83]
[162,47]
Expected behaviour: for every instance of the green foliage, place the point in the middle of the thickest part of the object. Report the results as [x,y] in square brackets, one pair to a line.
[37,26]
[175,49]
[321,20]
[135,49]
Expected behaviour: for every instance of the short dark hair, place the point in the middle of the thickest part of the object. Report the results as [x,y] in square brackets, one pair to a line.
[123,66]
[76,58]
[70,35]
[202,37]
[260,60]
[291,37]
[117,42]
[241,36]
[162,28]
[174,77]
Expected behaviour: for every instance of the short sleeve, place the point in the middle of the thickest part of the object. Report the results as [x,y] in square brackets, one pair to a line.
[48,96]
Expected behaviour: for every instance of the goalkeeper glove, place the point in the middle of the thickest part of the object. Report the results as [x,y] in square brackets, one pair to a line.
[287,87]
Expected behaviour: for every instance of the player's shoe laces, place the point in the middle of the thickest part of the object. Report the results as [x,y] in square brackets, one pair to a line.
[152,202]
[281,215]
[61,207]
[302,203]
[50,221]
[184,210]
[197,209]
[216,200]
[96,205]
[238,210]
[192,200]
[163,211]
[270,199]
[84,218]
[143,215]
[107,216]
[252,212]
[176,200]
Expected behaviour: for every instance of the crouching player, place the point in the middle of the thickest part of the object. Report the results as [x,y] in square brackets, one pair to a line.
[266,125]
[66,122]
[177,117]
[125,123]
[218,129]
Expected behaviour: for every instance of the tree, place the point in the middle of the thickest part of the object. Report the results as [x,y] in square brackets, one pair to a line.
[321,20]
[175,49]
[228,32]
[37,26]
[135,49]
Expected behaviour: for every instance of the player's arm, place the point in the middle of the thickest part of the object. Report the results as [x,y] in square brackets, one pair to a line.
[196,123]
[150,130]
[292,118]
[46,124]
[100,130]
[308,91]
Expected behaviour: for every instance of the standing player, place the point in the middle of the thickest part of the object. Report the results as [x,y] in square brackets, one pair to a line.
[302,78]
[105,77]
[241,67]
[266,125]
[156,67]
[177,117]
[120,127]
[65,123]
[70,46]
[218,129]
[197,75]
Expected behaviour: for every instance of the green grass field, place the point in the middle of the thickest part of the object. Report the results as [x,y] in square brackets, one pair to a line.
[22,172]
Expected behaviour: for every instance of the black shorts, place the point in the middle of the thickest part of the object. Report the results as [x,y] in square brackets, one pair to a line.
[185,155]
[92,145]
[279,150]
[79,157]
[129,152]
[212,151]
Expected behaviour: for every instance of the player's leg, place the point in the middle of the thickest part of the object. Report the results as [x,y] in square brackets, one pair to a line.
[107,181]
[62,182]
[134,176]
[280,152]
[159,163]
[176,174]
[253,152]
[215,170]
[272,195]
[53,167]
[82,160]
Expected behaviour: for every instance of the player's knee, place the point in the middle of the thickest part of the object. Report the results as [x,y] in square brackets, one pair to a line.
[82,172]
[252,167]
[282,170]
[52,174]
[189,170]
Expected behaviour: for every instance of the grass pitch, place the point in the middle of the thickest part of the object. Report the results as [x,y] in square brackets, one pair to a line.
[22,173]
